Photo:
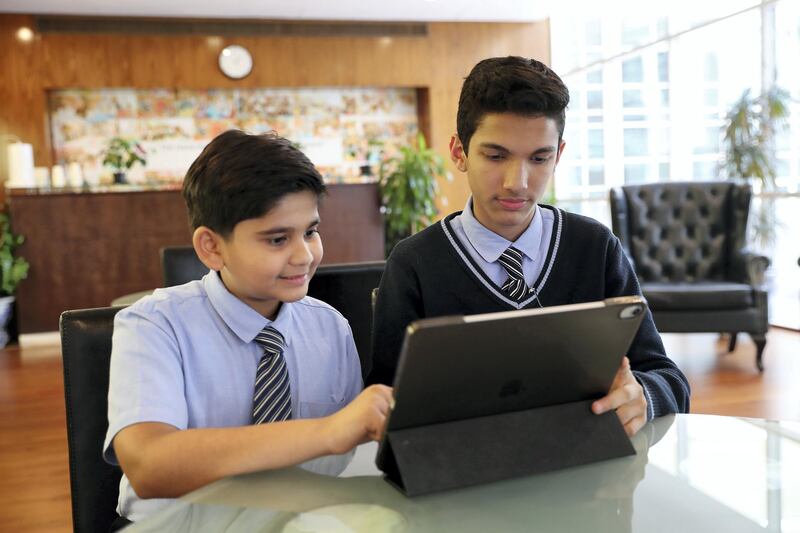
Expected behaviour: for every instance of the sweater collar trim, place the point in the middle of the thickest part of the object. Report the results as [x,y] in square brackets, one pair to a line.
[479,274]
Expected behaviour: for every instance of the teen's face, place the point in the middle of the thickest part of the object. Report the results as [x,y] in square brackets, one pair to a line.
[511,160]
[269,260]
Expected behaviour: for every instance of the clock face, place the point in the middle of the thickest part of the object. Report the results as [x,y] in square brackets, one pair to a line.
[235,61]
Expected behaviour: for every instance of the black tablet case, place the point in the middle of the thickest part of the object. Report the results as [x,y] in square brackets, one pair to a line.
[496,396]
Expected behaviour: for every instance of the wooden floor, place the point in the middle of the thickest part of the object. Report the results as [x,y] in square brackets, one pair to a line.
[34,479]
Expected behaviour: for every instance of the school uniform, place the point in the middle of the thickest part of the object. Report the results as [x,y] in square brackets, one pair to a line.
[451,268]
[186,357]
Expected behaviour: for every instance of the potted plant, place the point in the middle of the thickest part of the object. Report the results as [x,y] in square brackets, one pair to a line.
[408,190]
[13,270]
[749,131]
[121,155]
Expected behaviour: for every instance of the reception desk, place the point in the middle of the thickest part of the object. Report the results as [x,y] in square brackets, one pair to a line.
[88,246]
[690,474]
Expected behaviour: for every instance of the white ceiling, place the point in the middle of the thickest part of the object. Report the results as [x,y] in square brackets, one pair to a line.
[354,10]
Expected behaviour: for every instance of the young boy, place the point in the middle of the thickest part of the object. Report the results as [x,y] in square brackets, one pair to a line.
[504,252]
[240,371]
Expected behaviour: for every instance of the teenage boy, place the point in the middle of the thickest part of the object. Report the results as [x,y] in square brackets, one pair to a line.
[240,371]
[504,251]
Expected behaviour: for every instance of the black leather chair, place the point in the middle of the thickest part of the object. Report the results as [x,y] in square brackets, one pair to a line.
[180,265]
[86,350]
[346,286]
[686,242]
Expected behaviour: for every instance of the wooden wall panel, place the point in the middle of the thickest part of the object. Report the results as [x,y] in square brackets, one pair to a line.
[438,61]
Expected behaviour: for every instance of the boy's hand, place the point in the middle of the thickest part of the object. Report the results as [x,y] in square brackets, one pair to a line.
[360,421]
[627,397]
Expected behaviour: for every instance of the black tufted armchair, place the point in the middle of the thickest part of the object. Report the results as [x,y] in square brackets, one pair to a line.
[686,242]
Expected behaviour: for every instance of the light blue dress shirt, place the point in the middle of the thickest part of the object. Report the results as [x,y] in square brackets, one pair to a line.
[185,356]
[485,246]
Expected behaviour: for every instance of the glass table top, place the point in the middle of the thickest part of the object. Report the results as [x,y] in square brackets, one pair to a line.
[690,473]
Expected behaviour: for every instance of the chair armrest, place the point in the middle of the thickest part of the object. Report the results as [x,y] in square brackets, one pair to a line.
[750,267]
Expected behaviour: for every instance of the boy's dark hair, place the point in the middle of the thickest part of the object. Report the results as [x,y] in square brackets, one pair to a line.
[510,85]
[240,176]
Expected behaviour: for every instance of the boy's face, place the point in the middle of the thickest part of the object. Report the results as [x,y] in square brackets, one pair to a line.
[269,260]
[511,160]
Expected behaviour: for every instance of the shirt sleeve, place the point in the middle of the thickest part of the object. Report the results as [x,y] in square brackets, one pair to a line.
[398,304]
[146,381]
[666,389]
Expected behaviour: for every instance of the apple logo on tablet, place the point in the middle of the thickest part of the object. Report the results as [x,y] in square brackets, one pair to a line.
[511,388]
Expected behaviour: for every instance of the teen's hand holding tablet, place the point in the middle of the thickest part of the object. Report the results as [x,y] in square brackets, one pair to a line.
[626,395]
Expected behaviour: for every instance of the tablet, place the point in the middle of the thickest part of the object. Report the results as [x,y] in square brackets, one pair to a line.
[458,367]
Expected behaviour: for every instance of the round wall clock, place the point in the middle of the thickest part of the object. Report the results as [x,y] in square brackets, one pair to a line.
[235,61]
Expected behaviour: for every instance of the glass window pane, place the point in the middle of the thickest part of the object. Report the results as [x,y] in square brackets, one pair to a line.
[704,170]
[573,135]
[595,143]
[634,141]
[665,97]
[634,33]
[711,67]
[596,175]
[711,97]
[662,139]
[594,99]
[574,100]
[662,27]
[663,171]
[635,173]
[573,177]
[595,118]
[783,139]
[782,168]
[709,143]
[633,70]
[663,66]
[632,98]
[595,76]
[593,35]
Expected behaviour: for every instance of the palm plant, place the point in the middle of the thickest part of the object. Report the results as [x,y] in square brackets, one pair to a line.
[749,132]
[408,184]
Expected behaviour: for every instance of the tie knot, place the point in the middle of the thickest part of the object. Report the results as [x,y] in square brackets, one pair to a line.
[270,339]
[511,259]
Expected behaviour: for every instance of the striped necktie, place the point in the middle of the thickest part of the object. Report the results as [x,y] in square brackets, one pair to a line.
[514,287]
[272,399]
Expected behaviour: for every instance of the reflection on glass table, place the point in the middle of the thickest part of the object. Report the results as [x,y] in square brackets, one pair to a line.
[691,473]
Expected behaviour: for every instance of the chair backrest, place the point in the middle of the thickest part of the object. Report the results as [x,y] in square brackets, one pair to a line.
[681,231]
[180,265]
[348,287]
[86,350]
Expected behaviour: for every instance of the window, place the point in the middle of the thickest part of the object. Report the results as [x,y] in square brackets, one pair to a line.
[657,112]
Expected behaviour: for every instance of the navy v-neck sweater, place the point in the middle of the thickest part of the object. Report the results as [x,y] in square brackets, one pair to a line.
[431,274]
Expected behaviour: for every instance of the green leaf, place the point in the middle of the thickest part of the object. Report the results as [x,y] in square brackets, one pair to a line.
[408,184]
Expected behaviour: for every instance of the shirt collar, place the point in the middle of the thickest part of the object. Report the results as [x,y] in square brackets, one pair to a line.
[491,246]
[243,320]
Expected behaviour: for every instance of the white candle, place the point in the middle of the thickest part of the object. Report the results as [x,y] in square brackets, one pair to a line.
[20,165]
[57,176]
[75,174]
[42,176]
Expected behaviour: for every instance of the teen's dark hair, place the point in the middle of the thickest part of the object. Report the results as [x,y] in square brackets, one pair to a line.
[240,176]
[510,85]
